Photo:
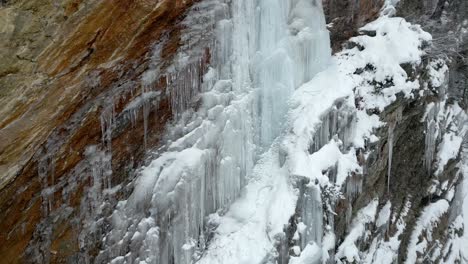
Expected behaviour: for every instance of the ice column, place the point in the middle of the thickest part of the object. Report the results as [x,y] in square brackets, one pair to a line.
[275,68]
[261,52]
[293,46]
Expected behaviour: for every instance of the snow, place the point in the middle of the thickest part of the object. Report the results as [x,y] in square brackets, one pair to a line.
[437,70]
[392,34]
[426,222]
[382,251]
[457,238]
[348,248]
[464,170]
[450,119]
[396,42]
[449,149]
[384,215]
[310,255]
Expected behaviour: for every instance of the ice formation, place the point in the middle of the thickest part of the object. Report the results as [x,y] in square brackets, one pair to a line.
[278,136]
[226,155]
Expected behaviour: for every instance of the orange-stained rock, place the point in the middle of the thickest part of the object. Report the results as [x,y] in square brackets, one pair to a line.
[64,66]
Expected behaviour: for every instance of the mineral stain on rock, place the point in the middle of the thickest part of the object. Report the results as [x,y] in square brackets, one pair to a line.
[63,64]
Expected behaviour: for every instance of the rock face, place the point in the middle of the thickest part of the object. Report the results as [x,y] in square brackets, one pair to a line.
[446,21]
[346,17]
[87,88]
[68,70]
[418,188]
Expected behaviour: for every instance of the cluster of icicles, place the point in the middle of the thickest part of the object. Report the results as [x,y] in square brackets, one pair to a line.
[261,52]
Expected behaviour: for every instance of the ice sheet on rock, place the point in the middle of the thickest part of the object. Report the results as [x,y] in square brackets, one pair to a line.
[287,57]
[388,8]
[138,101]
[310,228]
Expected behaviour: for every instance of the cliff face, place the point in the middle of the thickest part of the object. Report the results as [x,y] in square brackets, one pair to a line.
[87,89]
[68,70]
[424,198]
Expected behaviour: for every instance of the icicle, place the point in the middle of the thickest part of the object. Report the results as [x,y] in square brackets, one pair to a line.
[211,151]
[395,118]
[432,132]
[45,170]
[146,110]
[107,124]
[107,120]
[186,86]
[391,127]
[312,216]
[353,187]
[336,122]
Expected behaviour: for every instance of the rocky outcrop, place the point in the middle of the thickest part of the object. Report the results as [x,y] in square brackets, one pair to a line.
[344,18]
[71,71]
[419,190]
[446,21]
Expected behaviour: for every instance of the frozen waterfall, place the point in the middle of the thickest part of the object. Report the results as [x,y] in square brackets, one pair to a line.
[221,180]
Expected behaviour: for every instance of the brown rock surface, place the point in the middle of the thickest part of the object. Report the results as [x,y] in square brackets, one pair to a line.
[64,65]
[346,17]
